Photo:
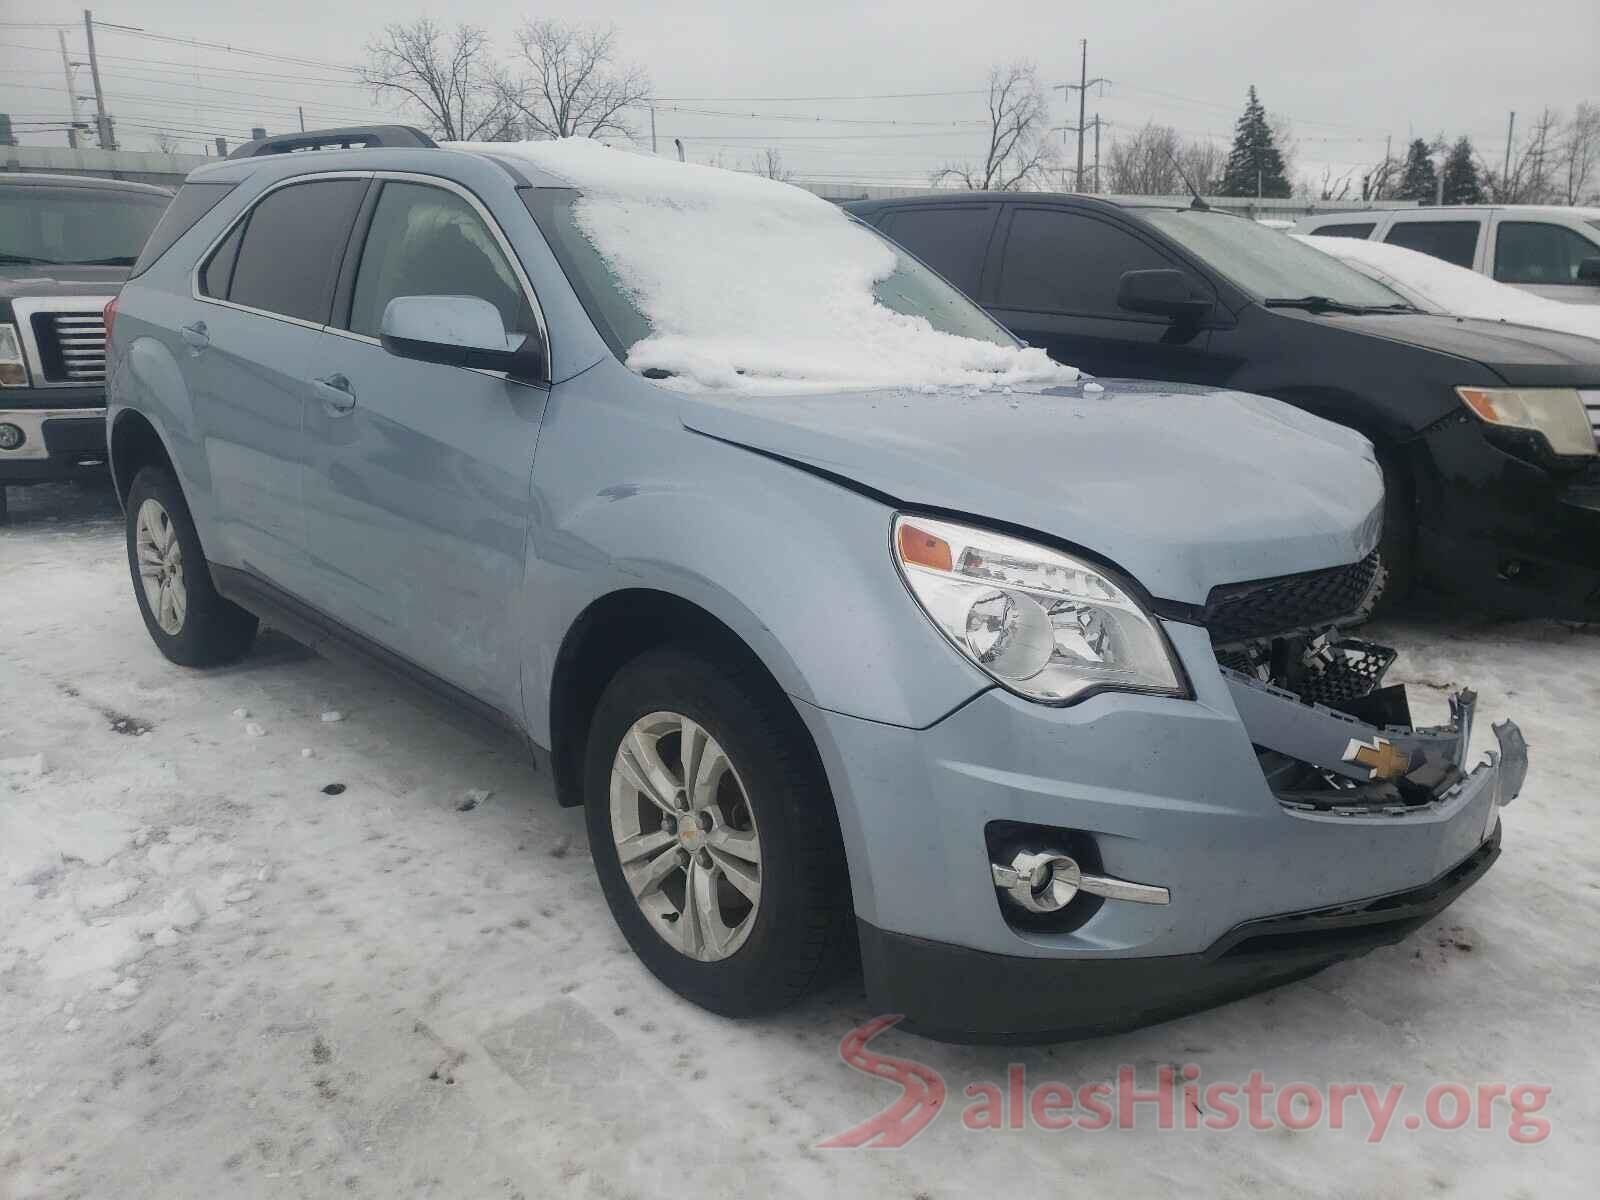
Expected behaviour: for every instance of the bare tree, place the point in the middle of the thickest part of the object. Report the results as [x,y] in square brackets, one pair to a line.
[1580,151]
[1203,161]
[770,164]
[166,143]
[1533,176]
[1329,187]
[1379,182]
[572,83]
[449,76]
[1156,161]
[1019,153]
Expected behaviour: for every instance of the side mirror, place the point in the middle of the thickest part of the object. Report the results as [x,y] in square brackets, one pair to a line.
[1164,293]
[458,331]
[1589,270]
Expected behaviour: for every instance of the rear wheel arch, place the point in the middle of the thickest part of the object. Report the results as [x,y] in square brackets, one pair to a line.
[135,444]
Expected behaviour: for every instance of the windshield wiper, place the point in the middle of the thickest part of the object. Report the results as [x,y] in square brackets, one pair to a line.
[120,260]
[1328,304]
[28,260]
[1314,304]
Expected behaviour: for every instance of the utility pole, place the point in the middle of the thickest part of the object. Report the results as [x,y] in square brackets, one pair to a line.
[1505,172]
[1097,153]
[302,109]
[1082,88]
[72,92]
[652,129]
[108,140]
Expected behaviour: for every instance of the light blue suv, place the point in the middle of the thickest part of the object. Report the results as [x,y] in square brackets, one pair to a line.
[1030,692]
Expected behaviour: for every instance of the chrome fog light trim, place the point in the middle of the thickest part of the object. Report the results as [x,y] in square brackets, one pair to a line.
[1045,881]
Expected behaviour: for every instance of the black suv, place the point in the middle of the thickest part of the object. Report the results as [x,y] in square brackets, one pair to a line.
[66,244]
[1485,430]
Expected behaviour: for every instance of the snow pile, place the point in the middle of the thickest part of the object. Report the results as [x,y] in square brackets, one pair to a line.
[1433,283]
[753,284]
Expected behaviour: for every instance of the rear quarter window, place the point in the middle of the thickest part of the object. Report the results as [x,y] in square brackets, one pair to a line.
[1345,230]
[193,201]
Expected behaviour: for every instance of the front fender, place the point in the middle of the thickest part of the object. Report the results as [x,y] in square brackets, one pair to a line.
[797,566]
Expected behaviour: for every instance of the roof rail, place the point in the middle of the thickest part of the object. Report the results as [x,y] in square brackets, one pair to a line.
[367,137]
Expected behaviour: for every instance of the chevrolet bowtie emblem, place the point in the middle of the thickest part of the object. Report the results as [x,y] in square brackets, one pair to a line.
[1380,756]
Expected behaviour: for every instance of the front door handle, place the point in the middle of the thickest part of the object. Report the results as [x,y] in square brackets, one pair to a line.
[336,392]
[195,335]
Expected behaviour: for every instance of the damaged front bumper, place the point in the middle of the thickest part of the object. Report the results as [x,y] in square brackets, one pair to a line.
[1320,759]
[1216,845]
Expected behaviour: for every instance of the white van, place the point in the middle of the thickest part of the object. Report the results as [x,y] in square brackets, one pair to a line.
[1549,251]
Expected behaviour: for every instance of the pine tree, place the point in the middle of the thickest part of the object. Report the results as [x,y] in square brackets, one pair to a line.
[1461,183]
[1255,168]
[1418,180]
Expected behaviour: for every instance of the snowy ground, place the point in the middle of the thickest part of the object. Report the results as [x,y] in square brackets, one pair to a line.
[218,980]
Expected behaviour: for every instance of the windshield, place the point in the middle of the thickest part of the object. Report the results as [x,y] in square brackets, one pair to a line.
[1268,263]
[911,289]
[56,226]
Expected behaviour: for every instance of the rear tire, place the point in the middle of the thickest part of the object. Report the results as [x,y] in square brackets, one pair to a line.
[189,621]
[761,824]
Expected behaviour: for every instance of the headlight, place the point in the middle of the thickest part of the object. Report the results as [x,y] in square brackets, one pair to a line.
[1041,623]
[1558,413]
[13,372]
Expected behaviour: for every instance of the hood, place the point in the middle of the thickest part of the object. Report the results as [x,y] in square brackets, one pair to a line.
[1519,354]
[17,281]
[1182,488]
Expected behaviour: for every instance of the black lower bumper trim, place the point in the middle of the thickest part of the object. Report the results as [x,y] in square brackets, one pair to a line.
[955,994]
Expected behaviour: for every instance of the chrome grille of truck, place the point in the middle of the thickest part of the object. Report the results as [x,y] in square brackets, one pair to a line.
[80,348]
[63,339]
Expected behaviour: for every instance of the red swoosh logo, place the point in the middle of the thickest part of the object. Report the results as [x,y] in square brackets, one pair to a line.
[921,1092]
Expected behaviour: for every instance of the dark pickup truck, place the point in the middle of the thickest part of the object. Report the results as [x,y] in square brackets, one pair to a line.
[66,244]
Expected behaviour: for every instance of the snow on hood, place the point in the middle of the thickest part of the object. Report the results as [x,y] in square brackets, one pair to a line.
[754,285]
[1456,290]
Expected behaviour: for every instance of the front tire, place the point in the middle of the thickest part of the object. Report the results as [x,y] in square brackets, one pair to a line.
[714,834]
[189,621]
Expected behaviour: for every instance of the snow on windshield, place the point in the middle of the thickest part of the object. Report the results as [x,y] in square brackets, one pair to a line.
[750,284]
[1456,290]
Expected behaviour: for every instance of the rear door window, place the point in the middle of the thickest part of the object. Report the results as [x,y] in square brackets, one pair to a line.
[427,241]
[1454,241]
[291,247]
[1346,230]
[952,239]
[1538,252]
[1057,261]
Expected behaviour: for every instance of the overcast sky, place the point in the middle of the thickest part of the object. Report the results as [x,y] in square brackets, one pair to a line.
[1345,74]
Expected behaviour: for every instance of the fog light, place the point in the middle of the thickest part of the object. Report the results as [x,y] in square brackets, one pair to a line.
[11,436]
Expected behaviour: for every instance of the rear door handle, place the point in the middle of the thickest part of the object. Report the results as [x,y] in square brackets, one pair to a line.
[195,335]
[336,392]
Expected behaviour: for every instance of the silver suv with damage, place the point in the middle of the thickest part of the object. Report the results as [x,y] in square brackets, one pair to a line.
[857,628]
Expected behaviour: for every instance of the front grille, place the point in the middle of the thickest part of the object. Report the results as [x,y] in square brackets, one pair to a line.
[1240,612]
[1591,405]
[72,346]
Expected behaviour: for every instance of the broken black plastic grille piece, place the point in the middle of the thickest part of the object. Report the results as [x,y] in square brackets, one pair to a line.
[1239,612]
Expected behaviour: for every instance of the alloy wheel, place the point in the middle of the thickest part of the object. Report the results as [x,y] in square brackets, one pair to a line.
[161,567]
[685,836]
